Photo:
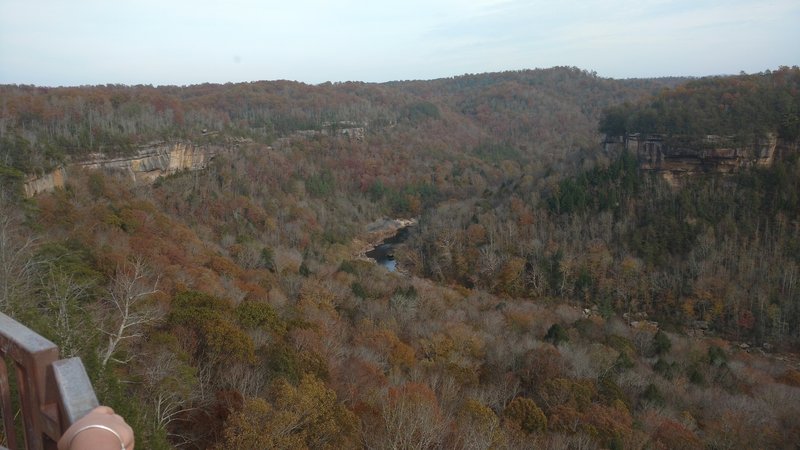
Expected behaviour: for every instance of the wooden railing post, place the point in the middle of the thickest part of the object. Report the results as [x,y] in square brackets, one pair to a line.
[53,394]
[7,411]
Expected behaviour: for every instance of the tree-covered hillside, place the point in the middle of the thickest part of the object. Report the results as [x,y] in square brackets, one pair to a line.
[529,111]
[551,296]
[745,107]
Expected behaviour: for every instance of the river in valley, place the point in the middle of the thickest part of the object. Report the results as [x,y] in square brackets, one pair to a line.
[383,253]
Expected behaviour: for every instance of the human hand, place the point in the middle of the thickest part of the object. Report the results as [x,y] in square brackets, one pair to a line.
[101,429]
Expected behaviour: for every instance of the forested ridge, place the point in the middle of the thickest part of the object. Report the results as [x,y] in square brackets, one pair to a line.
[744,107]
[553,295]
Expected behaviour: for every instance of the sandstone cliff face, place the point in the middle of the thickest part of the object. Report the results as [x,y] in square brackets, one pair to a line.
[45,183]
[677,158]
[155,161]
[711,154]
[148,164]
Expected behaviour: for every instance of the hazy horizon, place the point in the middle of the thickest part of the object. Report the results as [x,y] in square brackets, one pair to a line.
[58,43]
[358,81]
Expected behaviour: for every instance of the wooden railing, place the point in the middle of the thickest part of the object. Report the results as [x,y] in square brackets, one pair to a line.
[51,393]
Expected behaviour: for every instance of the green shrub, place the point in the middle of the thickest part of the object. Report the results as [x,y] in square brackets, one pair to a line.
[653,395]
[556,334]
[661,343]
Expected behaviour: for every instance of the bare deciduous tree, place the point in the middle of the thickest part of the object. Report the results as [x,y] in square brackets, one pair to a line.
[170,388]
[126,311]
[63,293]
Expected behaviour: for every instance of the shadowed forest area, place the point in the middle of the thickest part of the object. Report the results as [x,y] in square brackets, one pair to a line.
[552,294]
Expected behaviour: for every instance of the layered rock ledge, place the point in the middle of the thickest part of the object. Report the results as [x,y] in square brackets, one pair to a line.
[145,166]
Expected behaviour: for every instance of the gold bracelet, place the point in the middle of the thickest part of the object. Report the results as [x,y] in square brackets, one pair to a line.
[102,427]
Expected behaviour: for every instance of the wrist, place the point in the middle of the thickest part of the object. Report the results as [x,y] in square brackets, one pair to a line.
[96,437]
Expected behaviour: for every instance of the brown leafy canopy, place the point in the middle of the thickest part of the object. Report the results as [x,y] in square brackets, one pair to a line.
[524,413]
[306,416]
[274,337]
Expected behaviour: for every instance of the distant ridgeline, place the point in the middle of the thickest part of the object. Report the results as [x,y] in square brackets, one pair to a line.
[526,116]
[715,124]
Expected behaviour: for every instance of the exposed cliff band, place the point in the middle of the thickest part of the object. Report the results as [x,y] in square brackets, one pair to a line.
[146,166]
[675,157]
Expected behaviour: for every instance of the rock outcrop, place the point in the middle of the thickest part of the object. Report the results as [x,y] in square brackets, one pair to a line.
[149,163]
[36,184]
[676,157]
[710,154]
[155,161]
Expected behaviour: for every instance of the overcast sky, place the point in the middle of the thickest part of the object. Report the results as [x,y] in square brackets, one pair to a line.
[75,42]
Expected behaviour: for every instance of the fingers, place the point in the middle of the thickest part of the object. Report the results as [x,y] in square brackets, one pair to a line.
[102,410]
[96,424]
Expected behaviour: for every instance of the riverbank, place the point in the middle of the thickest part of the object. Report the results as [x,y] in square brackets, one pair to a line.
[376,233]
